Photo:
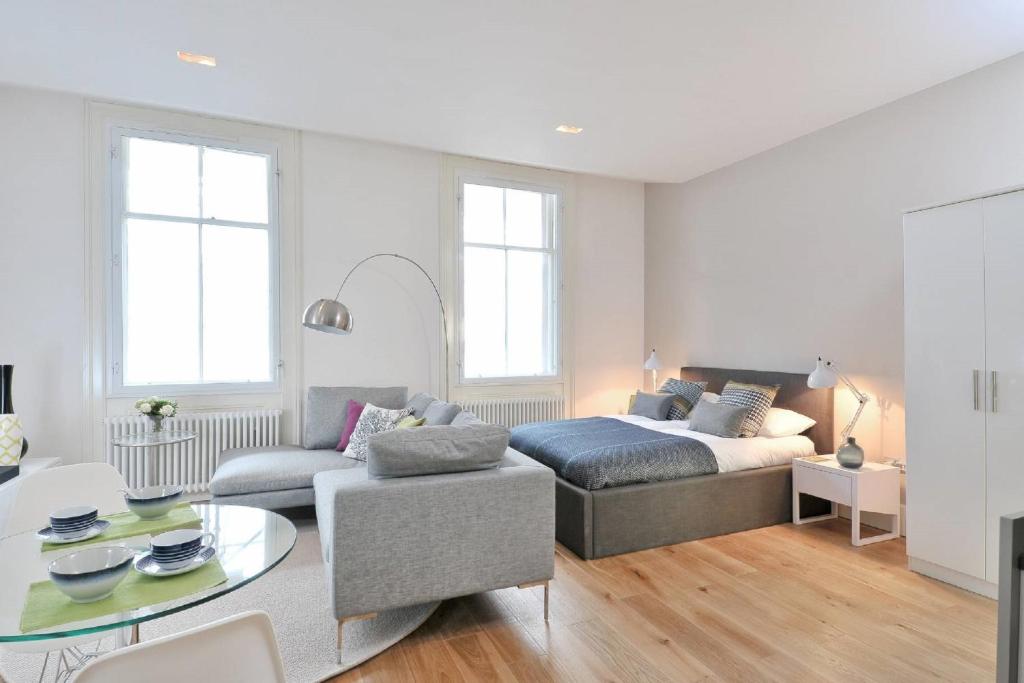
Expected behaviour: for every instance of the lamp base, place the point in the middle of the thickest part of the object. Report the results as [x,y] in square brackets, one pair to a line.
[850,454]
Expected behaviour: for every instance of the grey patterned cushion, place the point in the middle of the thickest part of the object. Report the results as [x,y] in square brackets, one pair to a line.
[326,408]
[654,406]
[441,413]
[757,397]
[418,403]
[686,396]
[436,450]
[719,419]
[374,420]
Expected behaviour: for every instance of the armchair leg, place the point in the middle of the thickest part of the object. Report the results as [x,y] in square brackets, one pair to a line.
[533,584]
[345,620]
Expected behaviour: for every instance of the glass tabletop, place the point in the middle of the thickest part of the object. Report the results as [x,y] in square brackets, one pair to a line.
[250,542]
[162,438]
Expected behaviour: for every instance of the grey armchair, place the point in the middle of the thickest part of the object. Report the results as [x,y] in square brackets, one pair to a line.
[405,541]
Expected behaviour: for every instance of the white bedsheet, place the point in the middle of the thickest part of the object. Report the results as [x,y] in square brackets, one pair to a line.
[733,454]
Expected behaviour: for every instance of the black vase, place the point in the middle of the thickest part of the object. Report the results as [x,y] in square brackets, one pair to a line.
[6,404]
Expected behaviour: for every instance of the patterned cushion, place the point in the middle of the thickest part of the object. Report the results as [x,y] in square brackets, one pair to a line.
[687,395]
[411,422]
[757,397]
[374,420]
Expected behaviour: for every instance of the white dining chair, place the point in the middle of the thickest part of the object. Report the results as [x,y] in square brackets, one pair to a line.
[42,492]
[239,648]
[38,495]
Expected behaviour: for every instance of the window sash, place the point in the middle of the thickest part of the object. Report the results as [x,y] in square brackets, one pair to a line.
[119,216]
[552,212]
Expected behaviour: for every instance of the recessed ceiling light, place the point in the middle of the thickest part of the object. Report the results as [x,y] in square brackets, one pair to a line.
[191,58]
[571,130]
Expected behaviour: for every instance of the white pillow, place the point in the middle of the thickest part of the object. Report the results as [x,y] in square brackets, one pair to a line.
[782,422]
[374,420]
[710,396]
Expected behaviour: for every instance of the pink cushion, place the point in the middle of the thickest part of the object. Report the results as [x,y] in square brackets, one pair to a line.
[352,413]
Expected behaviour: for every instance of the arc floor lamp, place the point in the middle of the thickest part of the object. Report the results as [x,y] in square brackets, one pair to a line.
[330,315]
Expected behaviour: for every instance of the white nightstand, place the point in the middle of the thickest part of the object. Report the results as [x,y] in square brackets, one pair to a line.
[873,487]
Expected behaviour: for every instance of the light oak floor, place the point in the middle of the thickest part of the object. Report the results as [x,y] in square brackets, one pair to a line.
[783,603]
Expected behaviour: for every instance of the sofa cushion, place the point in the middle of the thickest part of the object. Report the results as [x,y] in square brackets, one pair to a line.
[273,468]
[467,417]
[326,408]
[436,450]
[418,403]
[441,413]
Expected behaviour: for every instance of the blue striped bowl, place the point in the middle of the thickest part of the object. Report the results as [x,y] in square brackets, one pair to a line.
[153,502]
[91,574]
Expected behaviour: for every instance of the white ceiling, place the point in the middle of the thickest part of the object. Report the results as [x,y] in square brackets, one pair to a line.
[665,89]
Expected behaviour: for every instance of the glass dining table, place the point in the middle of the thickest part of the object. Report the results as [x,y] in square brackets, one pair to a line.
[249,542]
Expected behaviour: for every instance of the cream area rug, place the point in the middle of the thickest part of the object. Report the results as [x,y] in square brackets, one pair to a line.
[295,595]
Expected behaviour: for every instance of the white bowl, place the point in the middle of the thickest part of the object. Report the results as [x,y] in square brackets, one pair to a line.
[91,574]
[152,502]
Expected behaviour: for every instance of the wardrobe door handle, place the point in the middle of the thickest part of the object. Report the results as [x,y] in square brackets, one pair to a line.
[977,395]
[995,392]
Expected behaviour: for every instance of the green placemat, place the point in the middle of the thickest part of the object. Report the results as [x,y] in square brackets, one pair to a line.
[128,524]
[46,606]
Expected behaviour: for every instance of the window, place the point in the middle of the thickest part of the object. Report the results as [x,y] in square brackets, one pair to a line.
[508,280]
[194,258]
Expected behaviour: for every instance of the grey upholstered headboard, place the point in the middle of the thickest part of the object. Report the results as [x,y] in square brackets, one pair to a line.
[794,394]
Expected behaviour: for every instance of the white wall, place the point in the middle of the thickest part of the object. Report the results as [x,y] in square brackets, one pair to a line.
[360,198]
[798,251]
[608,294]
[42,265]
[356,198]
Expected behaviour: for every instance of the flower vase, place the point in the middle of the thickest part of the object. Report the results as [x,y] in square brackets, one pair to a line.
[10,446]
[6,402]
[850,454]
[13,444]
[158,422]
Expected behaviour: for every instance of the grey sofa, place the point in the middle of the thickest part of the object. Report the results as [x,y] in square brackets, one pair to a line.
[273,477]
[395,532]
[409,540]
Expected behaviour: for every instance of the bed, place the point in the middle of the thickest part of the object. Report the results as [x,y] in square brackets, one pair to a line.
[750,487]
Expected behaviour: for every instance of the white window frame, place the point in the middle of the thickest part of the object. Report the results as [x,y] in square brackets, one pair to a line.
[556,314]
[117,214]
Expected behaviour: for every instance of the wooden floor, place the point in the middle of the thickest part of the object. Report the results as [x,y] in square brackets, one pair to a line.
[783,603]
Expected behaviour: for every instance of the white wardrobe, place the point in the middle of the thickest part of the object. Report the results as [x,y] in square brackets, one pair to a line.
[964,345]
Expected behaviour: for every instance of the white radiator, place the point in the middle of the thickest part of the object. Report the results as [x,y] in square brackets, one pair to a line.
[516,411]
[191,464]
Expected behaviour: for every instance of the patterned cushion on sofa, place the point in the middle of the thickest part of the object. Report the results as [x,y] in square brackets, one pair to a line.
[757,397]
[687,394]
[374,420]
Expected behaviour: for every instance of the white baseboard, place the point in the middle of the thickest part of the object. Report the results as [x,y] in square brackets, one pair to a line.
[953,577]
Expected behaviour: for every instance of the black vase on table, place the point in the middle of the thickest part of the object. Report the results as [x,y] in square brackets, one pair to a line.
[7,407]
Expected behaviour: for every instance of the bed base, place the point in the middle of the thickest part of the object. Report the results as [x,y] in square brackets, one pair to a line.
[624,519]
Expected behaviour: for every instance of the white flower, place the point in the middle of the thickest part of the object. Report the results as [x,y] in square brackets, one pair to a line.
[145,408]
[167,410]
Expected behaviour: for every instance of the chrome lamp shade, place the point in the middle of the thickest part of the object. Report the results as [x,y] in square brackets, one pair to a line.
[328,315]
